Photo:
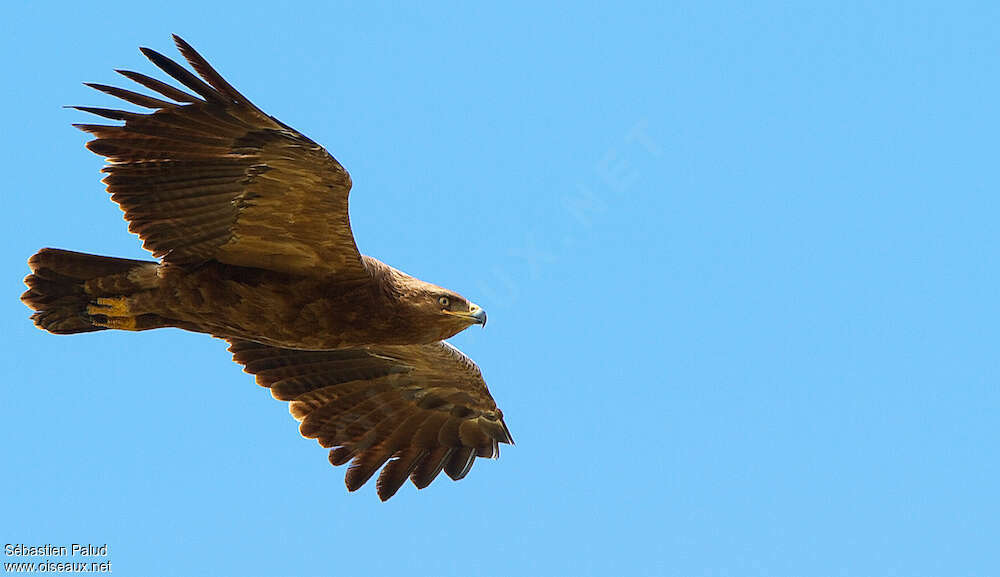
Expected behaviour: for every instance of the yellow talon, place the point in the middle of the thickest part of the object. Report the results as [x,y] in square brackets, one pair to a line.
[121,323]
[109,306]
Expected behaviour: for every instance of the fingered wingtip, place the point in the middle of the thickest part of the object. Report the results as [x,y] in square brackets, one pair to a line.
[180,43]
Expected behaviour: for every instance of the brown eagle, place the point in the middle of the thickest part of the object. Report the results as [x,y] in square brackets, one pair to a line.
[249,220]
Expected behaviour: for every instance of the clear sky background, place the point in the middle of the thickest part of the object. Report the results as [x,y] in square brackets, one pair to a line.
[739,262]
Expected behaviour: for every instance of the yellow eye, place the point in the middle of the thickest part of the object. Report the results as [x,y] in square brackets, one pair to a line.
[443,301]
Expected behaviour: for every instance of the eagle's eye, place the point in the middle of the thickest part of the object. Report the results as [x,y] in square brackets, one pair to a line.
[443,301]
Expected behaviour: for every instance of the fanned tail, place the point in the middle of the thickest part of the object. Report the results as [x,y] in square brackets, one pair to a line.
[63,284]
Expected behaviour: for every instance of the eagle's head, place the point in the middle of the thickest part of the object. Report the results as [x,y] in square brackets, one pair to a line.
[433,312]
[447,310]
[438,313]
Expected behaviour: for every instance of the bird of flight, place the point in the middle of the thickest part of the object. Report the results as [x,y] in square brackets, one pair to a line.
[248,218]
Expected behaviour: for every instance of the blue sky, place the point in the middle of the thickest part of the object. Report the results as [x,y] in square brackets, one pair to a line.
[739,261]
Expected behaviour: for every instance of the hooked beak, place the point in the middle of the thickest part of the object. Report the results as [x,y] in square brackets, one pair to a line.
[477,313]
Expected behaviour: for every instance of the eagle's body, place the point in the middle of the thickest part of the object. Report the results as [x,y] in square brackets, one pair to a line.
[249,218]
[271,307]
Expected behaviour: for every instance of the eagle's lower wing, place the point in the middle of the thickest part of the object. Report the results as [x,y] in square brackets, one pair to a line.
[426,407]
[211,176]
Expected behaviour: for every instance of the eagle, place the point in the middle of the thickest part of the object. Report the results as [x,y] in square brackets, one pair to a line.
[248,219]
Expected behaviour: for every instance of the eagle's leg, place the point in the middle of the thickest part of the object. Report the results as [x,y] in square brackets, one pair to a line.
[130,323]
[122,313]
[110,307]
[112,313]
[121,323]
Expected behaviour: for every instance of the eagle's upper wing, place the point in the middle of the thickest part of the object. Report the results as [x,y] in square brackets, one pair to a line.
[211,176]
[426,407]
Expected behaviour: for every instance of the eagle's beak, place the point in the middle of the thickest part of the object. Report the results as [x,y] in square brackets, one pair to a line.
[477,313]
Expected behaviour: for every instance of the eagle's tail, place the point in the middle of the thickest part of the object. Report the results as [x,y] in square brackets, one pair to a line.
[71,291]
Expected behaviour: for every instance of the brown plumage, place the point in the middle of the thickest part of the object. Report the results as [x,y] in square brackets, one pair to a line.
[249,219]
